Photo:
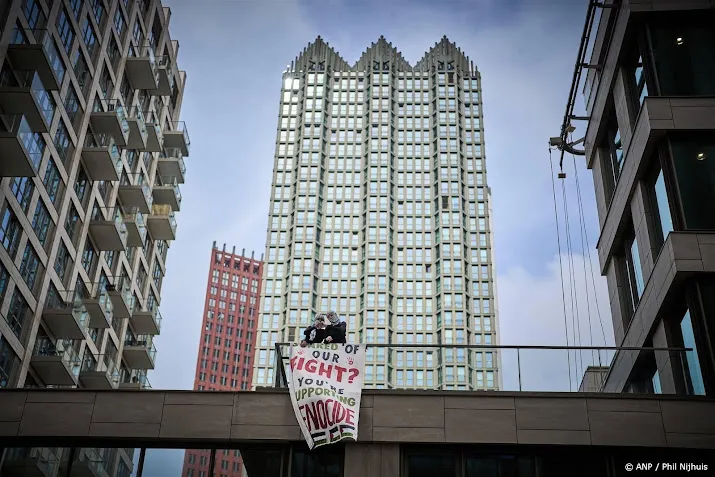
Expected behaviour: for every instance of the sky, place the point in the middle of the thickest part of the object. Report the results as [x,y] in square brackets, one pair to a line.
[234,52]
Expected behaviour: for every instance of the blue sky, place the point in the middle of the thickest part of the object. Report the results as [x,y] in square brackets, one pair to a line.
[234,52]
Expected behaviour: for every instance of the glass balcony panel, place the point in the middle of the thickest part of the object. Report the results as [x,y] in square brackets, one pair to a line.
[146,322]
[138,133]
[167,192]
[122,297]
[23,93]
[100,309]
[56,363]
[139,352]
[171,164]
[162,223]
[111,118]
[99,373]
[136,228]
[134,379]
[155,137]
[178,136]
[141,68]
[67,319]
[38,54]
[108,229]
[165,84]
[137,196]
[30,461]
[102,158]
[20,148]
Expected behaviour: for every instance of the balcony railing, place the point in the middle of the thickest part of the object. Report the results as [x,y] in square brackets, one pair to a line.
[491,367]
[102,157]
[178,136]
[167,191]
[140,352]
[20,147]
[134,378]
[100,372]
[57,363]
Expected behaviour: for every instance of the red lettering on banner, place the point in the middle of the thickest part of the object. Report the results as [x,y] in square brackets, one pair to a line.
[325,370]
[320,411]
[310,365]
[350,417]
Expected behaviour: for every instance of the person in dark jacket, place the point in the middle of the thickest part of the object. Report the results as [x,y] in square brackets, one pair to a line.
[336,330]
[317,332]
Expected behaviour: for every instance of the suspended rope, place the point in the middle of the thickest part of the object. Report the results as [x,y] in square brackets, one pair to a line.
[575,319]
[587,251]
[561,267]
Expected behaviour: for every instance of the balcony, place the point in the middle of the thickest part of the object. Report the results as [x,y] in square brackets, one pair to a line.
[102,158]
[100,373]
[139,352]
[57,363]
[171,164]
[137,196]
[161,222]
[178,136]
[20,148]
[111,118]
[99,309]
[30,462]
[136,229]
[141,68]
[133,379]
[67,320]
[88,462]
[138,133]
[37,52]
[146,322]
[23,93]
[122,298]
[155,137]
[166,192]
[110,233]
[165,79]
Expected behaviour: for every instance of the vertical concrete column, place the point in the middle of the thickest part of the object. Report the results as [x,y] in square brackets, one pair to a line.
[624,110]
[615,282]
[667,363]
[641,219]
[601,155]
[372,460]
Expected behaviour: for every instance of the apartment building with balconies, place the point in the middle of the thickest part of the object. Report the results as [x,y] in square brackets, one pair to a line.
[91,162]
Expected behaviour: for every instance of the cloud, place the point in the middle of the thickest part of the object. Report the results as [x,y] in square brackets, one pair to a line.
[531,312]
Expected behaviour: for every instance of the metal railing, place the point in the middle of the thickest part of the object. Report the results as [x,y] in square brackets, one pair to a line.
[493,367]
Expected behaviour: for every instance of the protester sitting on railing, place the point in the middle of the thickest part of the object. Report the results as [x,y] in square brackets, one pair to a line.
[326,329]
[337,329]
[317,332]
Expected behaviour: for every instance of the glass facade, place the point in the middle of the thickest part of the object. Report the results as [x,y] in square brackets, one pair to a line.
[694,160]
[380,211]
[694,376]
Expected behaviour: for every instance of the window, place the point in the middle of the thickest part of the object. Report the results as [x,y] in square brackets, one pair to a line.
[62,263]
[41,222]
[88,257]
[82,185]
[65,31]
[683,51]
[52,181]
[17,313]
[30,266]
[641,86]
[613,151]
[693,158]
[76,6]
[33,13]
[22,188]
[62,140]
[631,277]
[660,208]
[8,362]
[72,107]
[71,223]
[98,10]
[119,22]
[694,377]
[90,39]
[10,231]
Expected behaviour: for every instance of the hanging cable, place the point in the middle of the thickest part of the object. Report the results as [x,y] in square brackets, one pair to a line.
[588,252]
[561,267]
[575,319]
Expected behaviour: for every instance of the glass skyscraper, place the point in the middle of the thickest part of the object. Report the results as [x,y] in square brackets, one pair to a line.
[380,210]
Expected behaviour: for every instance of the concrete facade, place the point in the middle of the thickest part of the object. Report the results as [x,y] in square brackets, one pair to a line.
[672,264]
[388,418]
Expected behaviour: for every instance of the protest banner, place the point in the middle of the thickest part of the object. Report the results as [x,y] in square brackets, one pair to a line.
[325,384]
